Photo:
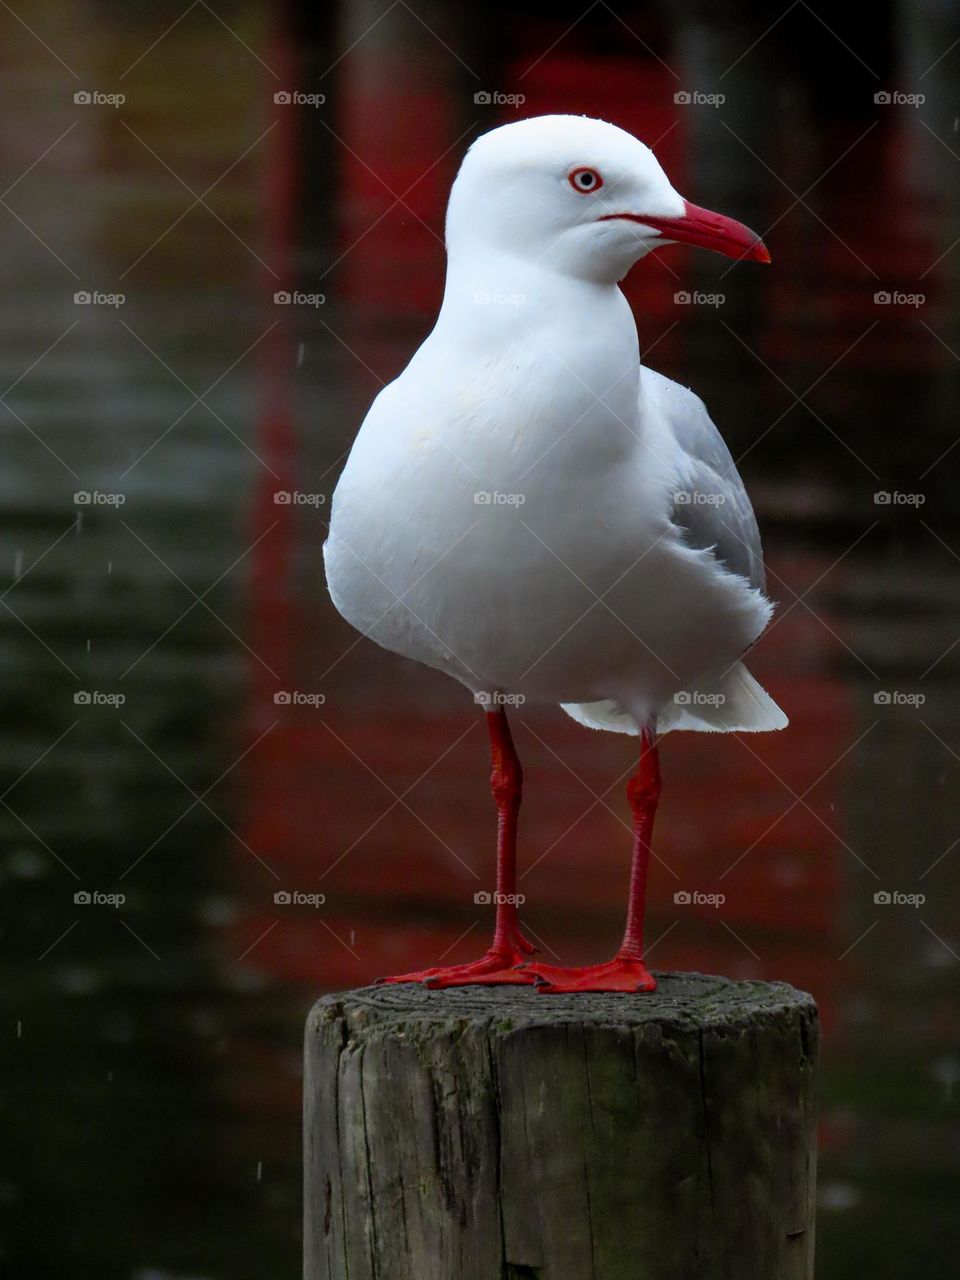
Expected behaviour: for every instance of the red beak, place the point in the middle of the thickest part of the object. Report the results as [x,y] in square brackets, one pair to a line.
[705,229]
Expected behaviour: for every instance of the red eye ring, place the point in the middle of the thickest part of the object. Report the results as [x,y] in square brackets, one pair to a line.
[585,180]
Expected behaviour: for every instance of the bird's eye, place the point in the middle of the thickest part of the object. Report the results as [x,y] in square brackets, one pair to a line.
[585,180]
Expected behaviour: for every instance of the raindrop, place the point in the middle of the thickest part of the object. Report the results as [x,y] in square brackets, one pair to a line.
[300,350]
[18,564]
[27,863]
[838,1195]
[218,910]
[946,1071]
[78,981]
[259,1170]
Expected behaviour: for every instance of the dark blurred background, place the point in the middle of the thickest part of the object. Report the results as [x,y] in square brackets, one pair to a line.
[151,1047]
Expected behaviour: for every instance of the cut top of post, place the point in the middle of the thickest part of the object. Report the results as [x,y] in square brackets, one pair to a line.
[685,1001]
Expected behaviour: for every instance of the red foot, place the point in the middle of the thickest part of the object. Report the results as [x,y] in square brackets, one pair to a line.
[618,974]
[501,965]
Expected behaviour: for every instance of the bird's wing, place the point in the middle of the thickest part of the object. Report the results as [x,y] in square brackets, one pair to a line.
[710,503]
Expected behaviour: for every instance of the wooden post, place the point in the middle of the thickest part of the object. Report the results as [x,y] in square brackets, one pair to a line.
[497,1134]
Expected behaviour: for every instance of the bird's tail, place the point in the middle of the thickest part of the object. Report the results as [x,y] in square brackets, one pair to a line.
[735,703]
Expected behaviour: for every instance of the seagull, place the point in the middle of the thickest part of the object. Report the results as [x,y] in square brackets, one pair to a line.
[531,510]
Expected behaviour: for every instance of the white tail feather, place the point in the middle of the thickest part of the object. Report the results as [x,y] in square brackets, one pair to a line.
[607,715]
[734,704]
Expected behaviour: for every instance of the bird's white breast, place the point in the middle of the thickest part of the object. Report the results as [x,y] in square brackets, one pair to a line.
[501,515]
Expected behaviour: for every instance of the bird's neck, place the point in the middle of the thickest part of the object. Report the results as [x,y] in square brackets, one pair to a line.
[496,293]
[558,351]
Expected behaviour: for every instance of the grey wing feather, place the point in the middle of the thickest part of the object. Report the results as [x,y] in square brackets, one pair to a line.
[710,502]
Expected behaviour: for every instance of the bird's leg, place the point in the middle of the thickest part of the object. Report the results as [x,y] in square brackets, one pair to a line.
[509,947]
[626,971]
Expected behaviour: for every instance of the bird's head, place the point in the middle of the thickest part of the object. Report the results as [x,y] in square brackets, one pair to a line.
[580,195]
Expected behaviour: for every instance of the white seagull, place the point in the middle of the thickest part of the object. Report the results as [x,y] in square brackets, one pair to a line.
[531,510]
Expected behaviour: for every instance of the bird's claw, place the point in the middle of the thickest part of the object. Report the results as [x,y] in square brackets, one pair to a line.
[500,966]
[619,974]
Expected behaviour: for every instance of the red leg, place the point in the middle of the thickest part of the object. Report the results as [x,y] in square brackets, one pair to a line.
[509,947]
[626,971]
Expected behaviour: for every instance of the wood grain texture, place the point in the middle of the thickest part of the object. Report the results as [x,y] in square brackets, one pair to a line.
[497,1134]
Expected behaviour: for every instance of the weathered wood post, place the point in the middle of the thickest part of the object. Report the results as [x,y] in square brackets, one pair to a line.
[497,1134]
